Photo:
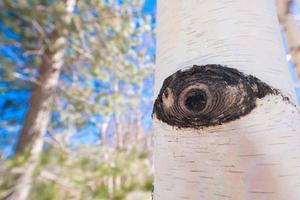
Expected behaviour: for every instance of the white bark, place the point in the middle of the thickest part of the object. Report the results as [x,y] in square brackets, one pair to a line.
[255,157]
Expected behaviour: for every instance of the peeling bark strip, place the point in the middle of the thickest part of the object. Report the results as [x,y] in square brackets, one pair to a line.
[208,95]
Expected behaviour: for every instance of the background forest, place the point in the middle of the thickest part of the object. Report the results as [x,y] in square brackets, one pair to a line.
[76,96]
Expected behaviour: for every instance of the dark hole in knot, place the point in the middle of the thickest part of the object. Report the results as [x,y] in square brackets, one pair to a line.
[195,100]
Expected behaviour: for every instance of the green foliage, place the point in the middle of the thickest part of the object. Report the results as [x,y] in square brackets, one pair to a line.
[46,191]
[90,173]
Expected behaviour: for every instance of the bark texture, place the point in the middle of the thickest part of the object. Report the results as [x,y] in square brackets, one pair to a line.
[208,95]
[255,156]
[291,30]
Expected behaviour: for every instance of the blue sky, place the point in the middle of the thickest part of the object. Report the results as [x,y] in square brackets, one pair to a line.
[13,103]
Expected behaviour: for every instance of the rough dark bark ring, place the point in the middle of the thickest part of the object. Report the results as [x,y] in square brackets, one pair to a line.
[208,95]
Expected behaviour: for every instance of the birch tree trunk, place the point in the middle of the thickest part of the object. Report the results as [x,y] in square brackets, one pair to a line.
[208,142]
[38,115]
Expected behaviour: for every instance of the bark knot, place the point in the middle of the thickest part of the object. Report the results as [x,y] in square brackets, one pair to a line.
[208,95]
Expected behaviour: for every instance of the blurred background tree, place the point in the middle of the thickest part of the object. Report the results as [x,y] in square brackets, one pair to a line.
[85,65]
[79,53]
[289,16]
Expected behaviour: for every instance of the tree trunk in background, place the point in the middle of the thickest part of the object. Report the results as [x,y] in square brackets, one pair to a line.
[291,30]
[37,119]
[255,157]
[39,113]
[103,133]
[119,132]
[22,187]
